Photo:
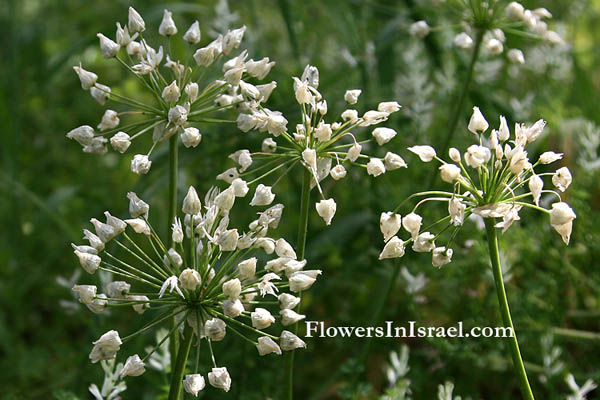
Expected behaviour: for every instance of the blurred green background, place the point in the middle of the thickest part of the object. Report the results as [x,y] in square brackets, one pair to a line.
[50,189]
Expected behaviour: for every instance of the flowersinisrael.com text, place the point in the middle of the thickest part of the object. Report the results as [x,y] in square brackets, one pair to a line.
[411,330]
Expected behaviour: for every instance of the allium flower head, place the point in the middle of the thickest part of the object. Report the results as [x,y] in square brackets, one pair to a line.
[323,148]
[486,24]
[208,281]
[497,181]
[182,99]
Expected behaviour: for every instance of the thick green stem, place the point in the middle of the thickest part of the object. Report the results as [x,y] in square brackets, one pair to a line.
[173,171]
[179,369]
[300,250]
[504,310]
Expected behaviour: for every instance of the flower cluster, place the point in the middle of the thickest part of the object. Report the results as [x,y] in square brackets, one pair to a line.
[183,94]
[494,186]
[493,22]
[314,144]
[209,279]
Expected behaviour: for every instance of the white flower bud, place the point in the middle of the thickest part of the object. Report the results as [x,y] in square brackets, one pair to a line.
[120,142]
[247,268]
[394,248]
[562,179]
[259,69]
[289,317]
[261,318]
[383,135]
[228,175]
[266,345]
[412,224]
[393,161]
[268,146]
[135,22]
[338,172]
[139,308]
[373,117]
[140,164]
[535,186]
[351,96]
[350,115]
[191,202]
[118,289]
[388,106]
[108,48]
[193,383]
[300,281]
[463,41]
[228,240]
[219,378]
[191,89]
[514,10]
[288,301]
[441,256]
[106,347]
[302,92]
[94,241]
[354,152]
[178,115]
[85,293]
[289,341]
[192,35]
[375,167]
[503,131]
[83,135]
[167,26]
[549,157]
[87,78]
[419,29]
[389,224]
[425,153]
[171,93]
[134,366]
[233,309]
[206,55]
[266,90]
[190,279]
[561,219]
[137,206]
[214,329]
[424,243]
[110,120]
[323,132]
[191,137]
[173,258]
[477,123]
[456,210]
[449,172]
[262,196]
[326,210]
[239,187]
[100,93]
[284,249]
[516,56]
[232,288]
[454,154]
[139,226]
[310,159]
[477,155]
[494,46]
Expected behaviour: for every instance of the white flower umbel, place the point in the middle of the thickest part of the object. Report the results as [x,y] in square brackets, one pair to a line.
[323,148]
[496,181]
[208,286]
[182,97]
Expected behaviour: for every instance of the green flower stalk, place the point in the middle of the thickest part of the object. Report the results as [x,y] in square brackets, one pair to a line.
[495,182]
[208,282]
